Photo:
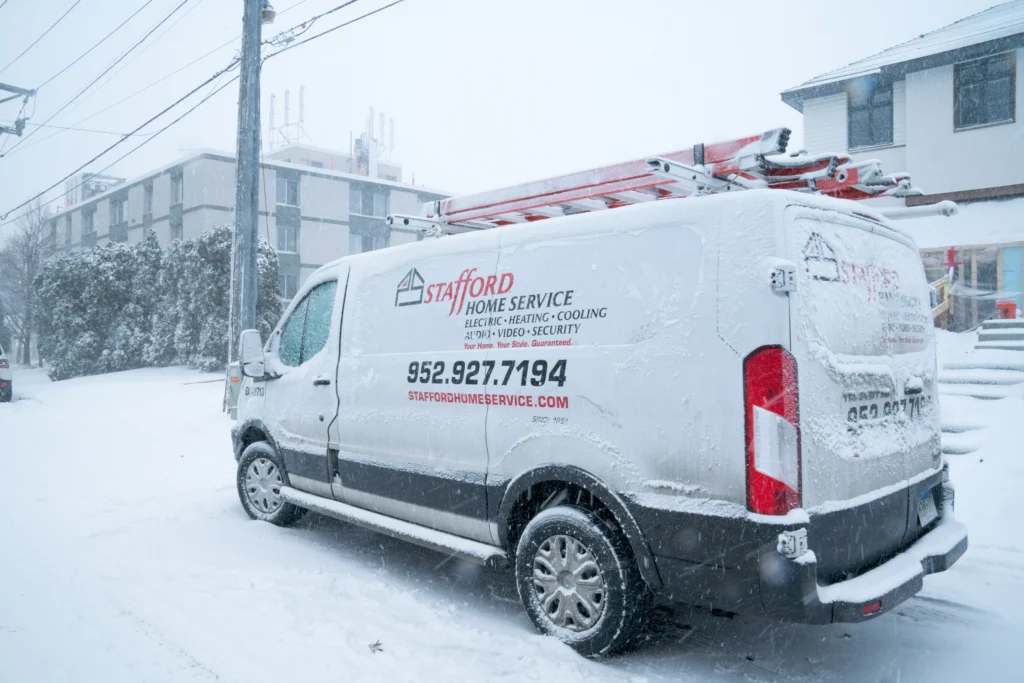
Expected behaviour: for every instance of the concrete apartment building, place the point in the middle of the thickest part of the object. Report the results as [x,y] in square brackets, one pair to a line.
[313,208]
[944,107]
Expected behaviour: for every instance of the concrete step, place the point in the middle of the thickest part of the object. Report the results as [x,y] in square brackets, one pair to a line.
[984,393]
[962,443]
[990,360]
[1001,335]
[981,376]
[1000,346]
[1000,324]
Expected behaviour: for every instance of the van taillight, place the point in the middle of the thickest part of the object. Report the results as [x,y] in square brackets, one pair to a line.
[771,396]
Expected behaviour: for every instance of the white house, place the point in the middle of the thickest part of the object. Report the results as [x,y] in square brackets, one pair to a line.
[944,107]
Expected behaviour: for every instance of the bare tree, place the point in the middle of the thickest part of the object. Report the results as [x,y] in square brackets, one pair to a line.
[21,256]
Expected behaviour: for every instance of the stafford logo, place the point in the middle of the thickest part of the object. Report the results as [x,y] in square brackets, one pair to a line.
[414,290]
[410,289]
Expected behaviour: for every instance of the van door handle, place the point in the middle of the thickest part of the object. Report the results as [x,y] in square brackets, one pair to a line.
[321,382]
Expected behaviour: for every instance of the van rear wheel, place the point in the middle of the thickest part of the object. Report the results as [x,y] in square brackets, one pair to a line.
[260,478]
[579,582]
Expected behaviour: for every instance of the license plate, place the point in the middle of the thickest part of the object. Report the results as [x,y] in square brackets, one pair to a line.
[926,511]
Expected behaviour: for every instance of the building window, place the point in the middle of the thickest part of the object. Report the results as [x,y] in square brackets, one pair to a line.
[984,91]
[118,211]
[869,116]
[67,230]
[289,285]
[287,238]
[288,191]
[147,199]
[177,190]
[87,223]
[368,203]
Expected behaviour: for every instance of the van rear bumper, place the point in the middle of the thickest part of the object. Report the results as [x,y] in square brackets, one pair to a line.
[731,561]
[790,590]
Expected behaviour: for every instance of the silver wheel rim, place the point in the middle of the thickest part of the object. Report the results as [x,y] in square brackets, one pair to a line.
[263,485]
[568,583]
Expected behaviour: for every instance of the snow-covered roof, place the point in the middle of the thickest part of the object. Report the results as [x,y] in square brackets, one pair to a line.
[977,223]
[996,22]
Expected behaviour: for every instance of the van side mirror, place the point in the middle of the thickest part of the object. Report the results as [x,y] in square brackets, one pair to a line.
[250,354]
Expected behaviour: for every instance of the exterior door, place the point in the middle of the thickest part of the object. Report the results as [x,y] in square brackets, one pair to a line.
[1012,280]
[302,400]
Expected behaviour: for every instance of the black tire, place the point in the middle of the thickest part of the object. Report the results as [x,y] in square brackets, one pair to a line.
[257,507]
[626,602]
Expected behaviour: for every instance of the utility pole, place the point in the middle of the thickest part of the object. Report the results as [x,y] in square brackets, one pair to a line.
[246,241]
[19,124]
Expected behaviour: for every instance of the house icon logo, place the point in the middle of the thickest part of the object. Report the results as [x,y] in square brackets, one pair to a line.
[410,289]
[820,259]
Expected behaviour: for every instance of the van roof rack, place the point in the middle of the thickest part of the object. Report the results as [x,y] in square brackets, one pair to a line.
[759,161]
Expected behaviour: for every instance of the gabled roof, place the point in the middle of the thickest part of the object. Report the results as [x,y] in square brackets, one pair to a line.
[995,23]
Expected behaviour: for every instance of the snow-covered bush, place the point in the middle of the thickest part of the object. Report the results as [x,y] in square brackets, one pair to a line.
[192,320]
[119,307]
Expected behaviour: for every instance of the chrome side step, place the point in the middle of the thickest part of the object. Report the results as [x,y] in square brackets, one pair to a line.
[441,541]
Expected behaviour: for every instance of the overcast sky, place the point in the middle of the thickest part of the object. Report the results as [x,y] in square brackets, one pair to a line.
[484,93]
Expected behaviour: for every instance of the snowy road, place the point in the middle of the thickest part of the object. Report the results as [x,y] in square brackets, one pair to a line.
[125,556]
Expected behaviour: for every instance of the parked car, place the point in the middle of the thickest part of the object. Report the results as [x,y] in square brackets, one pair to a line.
[727,401]
[6,380]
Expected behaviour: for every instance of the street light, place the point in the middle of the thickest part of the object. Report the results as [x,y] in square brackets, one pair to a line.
[268,12]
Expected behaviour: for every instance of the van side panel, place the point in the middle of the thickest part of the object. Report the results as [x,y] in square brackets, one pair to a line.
[411,444]
[619,306]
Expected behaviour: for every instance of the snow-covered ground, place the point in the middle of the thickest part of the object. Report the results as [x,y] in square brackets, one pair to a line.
[125,556]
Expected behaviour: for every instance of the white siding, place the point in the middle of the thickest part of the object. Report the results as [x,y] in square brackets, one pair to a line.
[825,124]
[899,113]
[941,159]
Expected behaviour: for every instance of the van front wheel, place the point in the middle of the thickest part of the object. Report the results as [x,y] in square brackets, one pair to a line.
[579,581]
[259,479]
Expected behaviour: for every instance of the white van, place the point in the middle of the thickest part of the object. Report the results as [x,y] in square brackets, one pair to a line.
[727,401]
[6,381]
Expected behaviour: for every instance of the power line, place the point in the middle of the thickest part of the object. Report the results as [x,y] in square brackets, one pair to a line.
[141,52]
[2,4]
[209,80]
[288,35]
[23,147]
[332,30]
[102,40]
[181,99]
[80,130]
[36,41]
[125,99]
[105,71]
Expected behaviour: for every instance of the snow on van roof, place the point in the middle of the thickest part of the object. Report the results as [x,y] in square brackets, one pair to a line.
[691,209]
[996,221]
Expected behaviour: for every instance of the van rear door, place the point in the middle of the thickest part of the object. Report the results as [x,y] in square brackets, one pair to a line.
[864,342]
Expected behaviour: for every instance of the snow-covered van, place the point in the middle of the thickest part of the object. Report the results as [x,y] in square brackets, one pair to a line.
[727,401]
[6,380]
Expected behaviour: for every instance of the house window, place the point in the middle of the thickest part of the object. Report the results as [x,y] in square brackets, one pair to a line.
[984,91]
[869,117]
[287,238]
[288,191]
[118,213]
[147,199]
[289,284]
[176,188]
